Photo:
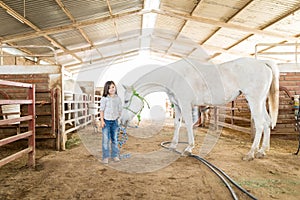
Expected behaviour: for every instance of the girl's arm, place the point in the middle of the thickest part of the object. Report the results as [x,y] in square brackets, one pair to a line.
[102,107]
[102,119]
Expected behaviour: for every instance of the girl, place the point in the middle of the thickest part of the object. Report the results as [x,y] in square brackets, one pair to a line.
[110,111]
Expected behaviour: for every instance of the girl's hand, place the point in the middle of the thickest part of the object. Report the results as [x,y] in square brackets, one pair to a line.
[102,123]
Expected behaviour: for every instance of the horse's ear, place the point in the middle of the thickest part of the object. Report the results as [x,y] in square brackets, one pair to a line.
[125,87]
[128,88]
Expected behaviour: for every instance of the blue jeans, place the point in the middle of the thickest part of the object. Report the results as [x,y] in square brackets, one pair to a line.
[110,134]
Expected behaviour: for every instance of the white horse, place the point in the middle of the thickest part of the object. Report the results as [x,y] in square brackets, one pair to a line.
[189,83]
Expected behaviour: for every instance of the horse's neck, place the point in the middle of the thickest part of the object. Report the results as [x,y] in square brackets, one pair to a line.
[146,89]
[187,80]
[150,88]
[156,76]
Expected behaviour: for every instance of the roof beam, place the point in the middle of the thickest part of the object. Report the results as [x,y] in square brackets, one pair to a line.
[296,37]
[82,24]
[208,47]
[77,66]
[182,27]
[228,20]
[114,19]
[34,27]
[68,13]
[114,22]
[60,29]
[224,24]
[134,38]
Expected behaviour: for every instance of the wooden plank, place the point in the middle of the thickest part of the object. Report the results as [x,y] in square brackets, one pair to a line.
[5,102]
[11,121]
[235,127]
[235,117]
[77,127]
[15,156]
[15,138]
[284,132]
[45,136]
[17,84]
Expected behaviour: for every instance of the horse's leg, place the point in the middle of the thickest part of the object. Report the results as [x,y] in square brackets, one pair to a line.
[177,124]
[203,118]
[257,115]
[207,116]
[188,118]
[266,138]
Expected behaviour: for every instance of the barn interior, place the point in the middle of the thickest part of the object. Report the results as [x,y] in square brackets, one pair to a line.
[67,49]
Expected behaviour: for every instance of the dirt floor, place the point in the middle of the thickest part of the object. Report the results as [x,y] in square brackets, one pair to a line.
[152,172]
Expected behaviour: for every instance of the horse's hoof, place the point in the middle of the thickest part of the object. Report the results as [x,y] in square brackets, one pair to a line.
[260,155]
[186,153]
[248,158]
[172,146]
[172,149]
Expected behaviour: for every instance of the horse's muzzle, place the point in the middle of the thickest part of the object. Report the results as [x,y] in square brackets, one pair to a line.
[124,123]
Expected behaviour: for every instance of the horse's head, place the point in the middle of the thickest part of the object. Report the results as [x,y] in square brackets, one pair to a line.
[133,105]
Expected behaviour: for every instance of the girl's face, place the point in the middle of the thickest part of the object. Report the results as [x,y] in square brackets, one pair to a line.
[112,90]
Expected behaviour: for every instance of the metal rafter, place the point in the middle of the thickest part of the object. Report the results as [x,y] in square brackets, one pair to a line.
[30,54]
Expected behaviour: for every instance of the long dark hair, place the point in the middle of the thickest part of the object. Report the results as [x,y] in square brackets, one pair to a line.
[106,87]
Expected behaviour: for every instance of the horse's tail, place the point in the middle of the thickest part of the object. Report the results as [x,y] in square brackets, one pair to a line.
[273,96]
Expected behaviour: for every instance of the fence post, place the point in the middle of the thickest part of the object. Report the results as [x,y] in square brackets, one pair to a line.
[31,124]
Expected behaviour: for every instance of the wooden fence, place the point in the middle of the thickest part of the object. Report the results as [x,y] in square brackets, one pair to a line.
[30,117]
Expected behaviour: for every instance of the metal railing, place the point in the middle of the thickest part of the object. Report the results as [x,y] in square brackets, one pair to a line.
[288,51]
[21,51]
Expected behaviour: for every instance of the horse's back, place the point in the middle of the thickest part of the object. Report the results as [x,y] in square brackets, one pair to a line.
[248,74]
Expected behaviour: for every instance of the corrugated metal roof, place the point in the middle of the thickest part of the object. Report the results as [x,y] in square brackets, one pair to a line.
[84,31]
[219,10]
[179,5]
[89,9]
[11,26]
[36,10]
[101,31]
[289,25]
[71,39]
[124,6]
